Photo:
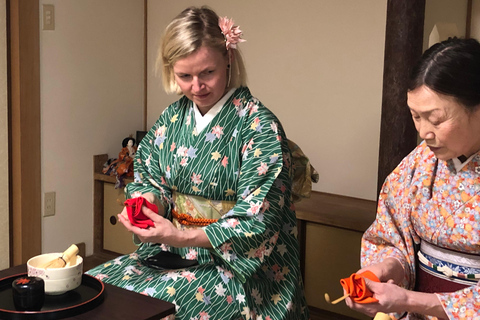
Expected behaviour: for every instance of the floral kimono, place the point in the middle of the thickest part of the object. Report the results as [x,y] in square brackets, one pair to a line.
[237,170]
[428,200]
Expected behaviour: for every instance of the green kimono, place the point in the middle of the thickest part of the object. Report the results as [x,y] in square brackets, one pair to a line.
[242,158]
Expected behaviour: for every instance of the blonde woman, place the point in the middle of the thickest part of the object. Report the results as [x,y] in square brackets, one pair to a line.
[218,168]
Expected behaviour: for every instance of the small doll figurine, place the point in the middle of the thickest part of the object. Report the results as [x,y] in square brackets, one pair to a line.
[130,146]
[123,165]
[125,157]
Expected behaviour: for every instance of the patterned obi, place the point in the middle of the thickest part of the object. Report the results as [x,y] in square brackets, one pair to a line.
[444,270]
[195,212]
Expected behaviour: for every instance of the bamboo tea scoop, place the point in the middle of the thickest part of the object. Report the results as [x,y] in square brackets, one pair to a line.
[378,316]
[327,298]
[61,261]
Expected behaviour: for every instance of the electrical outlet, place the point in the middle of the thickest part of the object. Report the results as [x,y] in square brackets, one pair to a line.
[49,204]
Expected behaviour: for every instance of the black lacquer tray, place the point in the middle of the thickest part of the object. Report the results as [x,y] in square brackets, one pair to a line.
[86,297]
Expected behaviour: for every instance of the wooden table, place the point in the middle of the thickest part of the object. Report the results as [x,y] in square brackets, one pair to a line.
[118,303]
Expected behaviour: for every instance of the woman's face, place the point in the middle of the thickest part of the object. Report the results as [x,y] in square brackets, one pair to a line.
[446,126]
[202,77]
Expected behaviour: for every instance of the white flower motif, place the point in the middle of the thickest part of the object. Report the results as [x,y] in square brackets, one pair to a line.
[240,298]
[220,290]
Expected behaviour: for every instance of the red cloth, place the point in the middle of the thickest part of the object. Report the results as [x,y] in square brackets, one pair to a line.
[356,287]
[135,214]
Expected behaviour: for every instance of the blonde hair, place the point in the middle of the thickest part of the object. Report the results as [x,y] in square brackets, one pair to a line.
[191,29]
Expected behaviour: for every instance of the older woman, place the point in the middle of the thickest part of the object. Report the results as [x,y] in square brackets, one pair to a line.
[218,167]
[425,242]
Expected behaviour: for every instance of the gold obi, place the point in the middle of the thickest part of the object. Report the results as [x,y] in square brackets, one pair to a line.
[195,212]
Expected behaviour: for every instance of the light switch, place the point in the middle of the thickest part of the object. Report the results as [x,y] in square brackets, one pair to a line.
[48,17]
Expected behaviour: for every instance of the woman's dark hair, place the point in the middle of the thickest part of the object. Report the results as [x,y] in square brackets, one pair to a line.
[451,67]
[125,141]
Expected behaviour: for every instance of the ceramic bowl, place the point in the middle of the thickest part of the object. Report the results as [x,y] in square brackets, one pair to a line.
[57,280]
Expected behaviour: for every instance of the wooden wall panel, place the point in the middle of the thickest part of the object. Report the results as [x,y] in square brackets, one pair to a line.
[24,104]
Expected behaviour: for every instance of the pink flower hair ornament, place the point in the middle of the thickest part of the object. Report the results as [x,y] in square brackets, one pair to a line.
[231,33]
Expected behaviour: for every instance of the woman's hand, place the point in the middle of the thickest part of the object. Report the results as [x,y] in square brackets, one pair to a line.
[391,298]
[152,198]
[162,232]
[388,269]
[165,232]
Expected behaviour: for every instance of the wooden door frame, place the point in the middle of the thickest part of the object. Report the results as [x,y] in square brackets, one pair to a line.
[403,47]
[23,47]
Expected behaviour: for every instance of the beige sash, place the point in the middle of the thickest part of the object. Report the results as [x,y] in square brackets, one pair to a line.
[196,212]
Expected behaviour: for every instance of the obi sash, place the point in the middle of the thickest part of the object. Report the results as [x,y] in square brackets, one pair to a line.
[195,212]
[444,270]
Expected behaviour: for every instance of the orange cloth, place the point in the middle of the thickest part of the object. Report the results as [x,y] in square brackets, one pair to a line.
[356,287]
[135,214]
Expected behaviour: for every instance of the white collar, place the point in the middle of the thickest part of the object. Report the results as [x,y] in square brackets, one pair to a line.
[459,165]
[202,121]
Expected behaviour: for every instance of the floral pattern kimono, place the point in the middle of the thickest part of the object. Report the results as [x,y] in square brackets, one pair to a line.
[427,199]
[241,165]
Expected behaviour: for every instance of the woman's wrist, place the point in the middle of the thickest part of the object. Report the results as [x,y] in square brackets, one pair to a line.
[388,269]
[193,238]
[424,303]
[152,198]
[391,269]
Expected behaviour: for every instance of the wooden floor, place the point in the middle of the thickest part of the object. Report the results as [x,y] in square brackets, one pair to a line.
[315,314]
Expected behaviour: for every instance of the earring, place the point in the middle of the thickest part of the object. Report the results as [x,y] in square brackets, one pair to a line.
[229,76]
[229,70]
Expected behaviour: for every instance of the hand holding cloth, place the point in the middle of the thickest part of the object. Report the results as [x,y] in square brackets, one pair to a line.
[135,214]
[357,289]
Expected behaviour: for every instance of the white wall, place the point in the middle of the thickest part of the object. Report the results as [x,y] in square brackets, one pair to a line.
[444,13]
[4,214]
[475,27]
[318,65]
[91,81]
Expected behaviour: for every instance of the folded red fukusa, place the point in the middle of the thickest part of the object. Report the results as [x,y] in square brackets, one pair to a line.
[135,214]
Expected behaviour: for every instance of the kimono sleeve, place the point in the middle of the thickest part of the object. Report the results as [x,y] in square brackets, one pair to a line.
[392,234]
[148,176]
[463,304]
[245,237]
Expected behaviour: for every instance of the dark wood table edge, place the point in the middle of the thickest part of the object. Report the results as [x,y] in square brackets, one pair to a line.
[112,291]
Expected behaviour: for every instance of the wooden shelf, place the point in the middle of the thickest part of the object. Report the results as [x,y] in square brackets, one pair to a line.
[110,179]
[337,211]
[334,211]
[98,162]
[99,179]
